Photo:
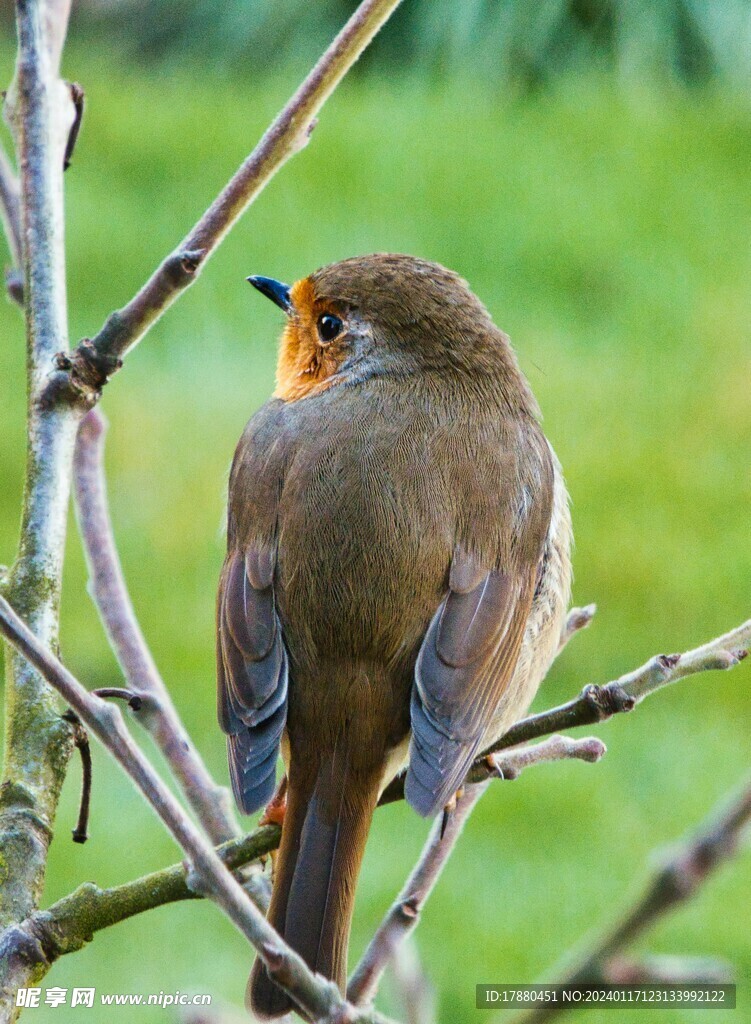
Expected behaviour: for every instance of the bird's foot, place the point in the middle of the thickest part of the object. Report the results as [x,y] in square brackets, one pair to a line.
[276,808]
[448,810]
[273,814]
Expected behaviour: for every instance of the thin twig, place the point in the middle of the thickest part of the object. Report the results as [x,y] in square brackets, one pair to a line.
[95,360]
[415,992]
[10,210]
[683,871]
[318,998]
[157,713]
[81,740]
[509,766]
[404,914]
[68,925]
[598,703]
[133,700]
[402,918]
[576,620]
[78,96]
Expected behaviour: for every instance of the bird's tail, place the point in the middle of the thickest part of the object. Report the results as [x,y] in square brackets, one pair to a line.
[323,840]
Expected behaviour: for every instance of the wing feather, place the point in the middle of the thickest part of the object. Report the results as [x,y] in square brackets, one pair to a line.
[465,664]
[252,674]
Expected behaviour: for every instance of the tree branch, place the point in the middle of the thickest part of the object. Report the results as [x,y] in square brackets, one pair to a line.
[81,742]
[156,712]
[683,871]
[403,917]
[10,210]
[38,742]
[317,997]
[415,992]
[72,922]
[576,620]
[89,367]
[598,703]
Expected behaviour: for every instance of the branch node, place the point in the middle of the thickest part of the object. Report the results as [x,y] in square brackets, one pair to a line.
[273,957]
[191,259]
[410,908]
[14,284]
[80,376]
[181,267]
[606,701]
[668,661]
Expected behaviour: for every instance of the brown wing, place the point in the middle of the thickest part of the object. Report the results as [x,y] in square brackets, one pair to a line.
[465,663]
[251,674]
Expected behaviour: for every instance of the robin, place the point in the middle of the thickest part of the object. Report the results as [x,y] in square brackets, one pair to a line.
[396,577]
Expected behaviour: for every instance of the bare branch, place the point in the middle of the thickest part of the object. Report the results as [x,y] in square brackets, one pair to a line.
[555,748]
[576,620]
[668,970]
[404,914]
[39,742]
[156,712]
[414,989]
[95,360]
[10,210]
[684,870]
[598,703]
[81,741]
[318,998]
[56,15]
[72,922]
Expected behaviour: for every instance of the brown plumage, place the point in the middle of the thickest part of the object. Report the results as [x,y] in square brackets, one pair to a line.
[396,574]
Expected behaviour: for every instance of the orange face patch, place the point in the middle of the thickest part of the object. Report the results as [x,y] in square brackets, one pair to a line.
[305,365]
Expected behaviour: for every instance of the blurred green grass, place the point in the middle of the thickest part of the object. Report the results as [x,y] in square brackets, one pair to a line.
[609,234]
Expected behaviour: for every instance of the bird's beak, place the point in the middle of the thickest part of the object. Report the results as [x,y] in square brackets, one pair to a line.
[274,290]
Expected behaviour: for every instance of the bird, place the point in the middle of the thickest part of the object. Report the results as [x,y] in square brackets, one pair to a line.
[396,579]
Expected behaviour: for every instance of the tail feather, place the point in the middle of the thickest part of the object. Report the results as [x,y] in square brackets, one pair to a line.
[323,840]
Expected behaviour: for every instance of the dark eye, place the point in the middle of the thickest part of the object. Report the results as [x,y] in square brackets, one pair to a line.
[329,326]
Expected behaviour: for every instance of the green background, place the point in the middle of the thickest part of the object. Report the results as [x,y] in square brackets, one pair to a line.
[607,228]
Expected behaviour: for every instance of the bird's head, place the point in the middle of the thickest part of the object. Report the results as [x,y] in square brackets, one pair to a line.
[385,315]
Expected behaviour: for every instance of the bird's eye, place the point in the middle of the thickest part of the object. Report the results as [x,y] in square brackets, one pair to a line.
[329,326]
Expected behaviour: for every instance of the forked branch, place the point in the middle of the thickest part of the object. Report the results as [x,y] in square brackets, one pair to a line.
[598,703]
[318,998]
[402,918]
[88,368]
[682,872]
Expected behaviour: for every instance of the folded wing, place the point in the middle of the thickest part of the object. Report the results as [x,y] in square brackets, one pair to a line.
[251,674]
[465,664]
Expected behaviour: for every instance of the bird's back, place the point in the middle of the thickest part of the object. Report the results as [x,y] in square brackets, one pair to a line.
[374,487]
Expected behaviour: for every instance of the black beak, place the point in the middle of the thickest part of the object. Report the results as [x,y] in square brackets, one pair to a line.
[274,290]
